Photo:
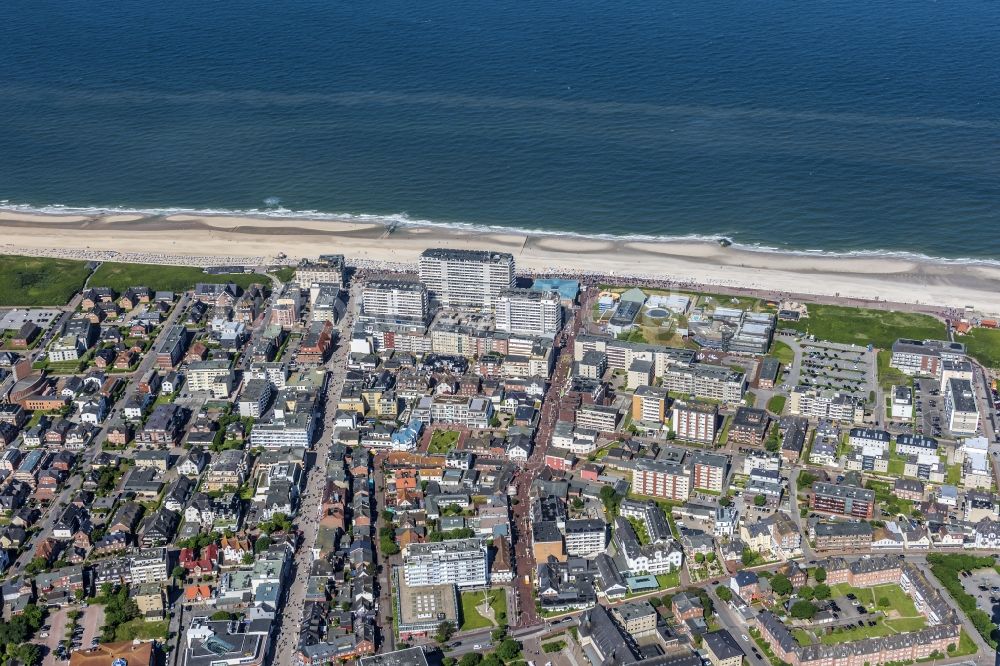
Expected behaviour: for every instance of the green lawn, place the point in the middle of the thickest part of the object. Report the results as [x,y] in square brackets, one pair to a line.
[954,474]
[640,530]
[782,352]
[776,404]
[443,441]
[141,629]
[722,300]
[983,344]
[164,278]
[471,619]
[40,280]
[669,580]
[899,601]
[858,326]
[284,274]
[889,376]
[965,645]
[499,604]
[855,633]
[802,636]
[900,604]
[906,624]
[896,467]
[724,436]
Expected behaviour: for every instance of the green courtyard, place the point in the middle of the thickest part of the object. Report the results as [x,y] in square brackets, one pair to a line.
[443,441]
[899,616]
[472,619]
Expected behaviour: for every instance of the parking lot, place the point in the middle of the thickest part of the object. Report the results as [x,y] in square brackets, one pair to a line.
[56,623]
[984,585]
[928,408]
[92,620]
[842,368]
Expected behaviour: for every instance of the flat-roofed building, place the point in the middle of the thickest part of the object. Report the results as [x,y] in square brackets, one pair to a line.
[902,403]
[767,377]
[708,470]
[603,418]
[395,300]
[955,369]
[585,537]
[843,500]
[422,609]
[660,478]
[960,407]
[466,278]
[637,618]
[461,562]
[924,357]
[694,421]
[826,405]
[649,403]
[528,312]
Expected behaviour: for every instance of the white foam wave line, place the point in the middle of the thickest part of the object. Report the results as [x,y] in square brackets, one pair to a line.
[402,219]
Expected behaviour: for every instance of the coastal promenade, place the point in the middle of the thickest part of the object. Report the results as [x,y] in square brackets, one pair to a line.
[890,280]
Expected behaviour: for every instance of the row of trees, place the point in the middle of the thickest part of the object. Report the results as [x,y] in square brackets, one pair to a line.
[947,569]
[14,635]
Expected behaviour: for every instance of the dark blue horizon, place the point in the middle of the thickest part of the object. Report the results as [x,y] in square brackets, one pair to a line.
[829,125]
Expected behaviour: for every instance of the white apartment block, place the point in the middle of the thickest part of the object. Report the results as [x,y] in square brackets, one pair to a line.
[661,479]
[395,300]
[462,410]
[466,278]
[960,407]
[706,381]
[254,398]
[148,565]
[460,562]
[586,537]
[902,403]
[955,369]
[826,405]
[694,421]
[528,312]
[202,375]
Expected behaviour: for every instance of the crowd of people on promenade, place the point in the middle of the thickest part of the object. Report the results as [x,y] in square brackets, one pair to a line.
[370,267]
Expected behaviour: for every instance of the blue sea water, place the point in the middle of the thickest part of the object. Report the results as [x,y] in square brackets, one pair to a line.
[829,124]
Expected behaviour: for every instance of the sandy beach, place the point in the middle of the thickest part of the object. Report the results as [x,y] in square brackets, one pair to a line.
[203,240]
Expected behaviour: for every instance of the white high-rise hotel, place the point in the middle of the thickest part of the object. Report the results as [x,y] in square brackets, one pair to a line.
[529,312]
[466,278]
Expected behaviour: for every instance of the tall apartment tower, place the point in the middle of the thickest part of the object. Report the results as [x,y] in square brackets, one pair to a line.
[395,300]
[466,278]
[528,312]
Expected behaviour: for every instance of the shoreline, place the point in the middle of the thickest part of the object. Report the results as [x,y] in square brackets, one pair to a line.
[201,239]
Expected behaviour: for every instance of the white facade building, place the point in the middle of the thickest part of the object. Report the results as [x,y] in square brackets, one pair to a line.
[460,562]
[466,278]
[528,312]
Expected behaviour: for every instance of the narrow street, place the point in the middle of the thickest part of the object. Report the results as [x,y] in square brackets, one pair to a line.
[312,497]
